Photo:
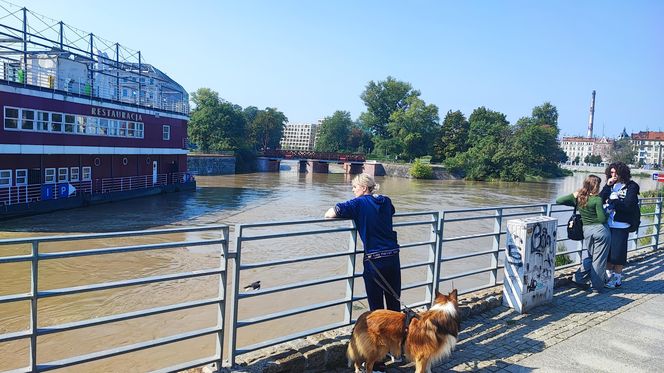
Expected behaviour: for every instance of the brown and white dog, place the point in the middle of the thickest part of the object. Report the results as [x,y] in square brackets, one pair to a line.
[430,338]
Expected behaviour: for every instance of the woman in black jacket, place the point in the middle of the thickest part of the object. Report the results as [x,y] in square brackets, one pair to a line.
[621,198]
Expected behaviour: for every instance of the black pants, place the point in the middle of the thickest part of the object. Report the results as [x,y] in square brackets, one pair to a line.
[390,268]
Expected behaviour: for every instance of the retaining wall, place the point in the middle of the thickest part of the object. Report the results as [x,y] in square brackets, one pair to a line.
[199,164]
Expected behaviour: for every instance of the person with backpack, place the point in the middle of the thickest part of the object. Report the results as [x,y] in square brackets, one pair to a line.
[621,199]
[597,237]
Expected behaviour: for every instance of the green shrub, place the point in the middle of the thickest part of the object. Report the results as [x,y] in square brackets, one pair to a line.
[562,260]
[421,170]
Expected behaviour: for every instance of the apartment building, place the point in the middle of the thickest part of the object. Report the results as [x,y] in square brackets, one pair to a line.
[584,146]
[649,146]
[299,136]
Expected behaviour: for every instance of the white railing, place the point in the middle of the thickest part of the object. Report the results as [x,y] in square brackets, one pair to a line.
[15,195]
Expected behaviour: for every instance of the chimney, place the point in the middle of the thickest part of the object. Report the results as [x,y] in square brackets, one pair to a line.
[592,116]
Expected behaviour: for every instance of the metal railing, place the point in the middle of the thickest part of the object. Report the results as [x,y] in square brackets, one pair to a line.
[19,194]
[316,272]
[36,294]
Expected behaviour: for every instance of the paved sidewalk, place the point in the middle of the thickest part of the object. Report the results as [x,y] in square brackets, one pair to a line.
[628,321]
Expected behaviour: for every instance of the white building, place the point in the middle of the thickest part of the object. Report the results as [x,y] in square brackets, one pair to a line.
[649,146]
[299,136]
[585,146]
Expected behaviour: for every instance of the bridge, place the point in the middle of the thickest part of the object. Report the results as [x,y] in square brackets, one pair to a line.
[317,162]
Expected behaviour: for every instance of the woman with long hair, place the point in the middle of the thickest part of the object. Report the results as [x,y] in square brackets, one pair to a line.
[597,237]
[621,196]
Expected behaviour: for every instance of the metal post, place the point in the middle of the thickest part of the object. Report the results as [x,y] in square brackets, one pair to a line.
[433,255]
[25,46]
[439,252]
[498,222]
[658,220]
[223,265]
[140,67]
[33,306]
[92,71]
[117,71]
[232,335]
[350,271]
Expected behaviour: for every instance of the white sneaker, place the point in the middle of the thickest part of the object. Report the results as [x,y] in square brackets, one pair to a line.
[614,282]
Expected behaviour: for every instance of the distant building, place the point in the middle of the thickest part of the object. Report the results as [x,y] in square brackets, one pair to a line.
[584,146]
[299,136]
[649,146]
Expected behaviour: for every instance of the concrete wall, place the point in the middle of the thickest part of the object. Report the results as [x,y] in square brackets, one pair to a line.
[210,165]
[402,170]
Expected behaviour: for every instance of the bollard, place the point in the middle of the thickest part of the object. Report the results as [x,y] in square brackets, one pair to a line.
[530,257]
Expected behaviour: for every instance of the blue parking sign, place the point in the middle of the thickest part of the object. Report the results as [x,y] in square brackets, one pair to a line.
[47,192]
[655,176]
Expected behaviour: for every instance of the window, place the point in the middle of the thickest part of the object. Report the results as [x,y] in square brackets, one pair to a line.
[113,127]
[27,119]
[124,92]
[42,120]
[49,176]
[123,128]
[103,127]
[73,174]
[56,122]
[93,124]
[62,175]
[87,173]
[166,132]
[139,130]
[131,129]
[70,123]
[5,178]
[22,177]
[11,118]
[81,124]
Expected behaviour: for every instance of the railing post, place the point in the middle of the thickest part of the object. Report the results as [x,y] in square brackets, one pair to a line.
[33,306]
[223,296]
[232,336]
[350,271]
[439,252]
[658,220]
[498,222]
[433,258]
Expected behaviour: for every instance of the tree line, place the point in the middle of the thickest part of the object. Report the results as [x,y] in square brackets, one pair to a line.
[399,124]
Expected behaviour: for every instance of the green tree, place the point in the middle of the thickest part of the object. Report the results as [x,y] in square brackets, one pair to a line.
[388,148]
[535,143]
[334,132]
[486,123]
[421,170]
[591,158]
[415,125]
[359,140]
[382,99]
[215,124]
[267,128]
[453,136]
[623,151]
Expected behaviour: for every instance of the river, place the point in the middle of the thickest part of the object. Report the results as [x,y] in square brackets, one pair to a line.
[231,199]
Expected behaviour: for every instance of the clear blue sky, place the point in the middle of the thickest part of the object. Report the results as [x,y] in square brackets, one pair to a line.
[311,58]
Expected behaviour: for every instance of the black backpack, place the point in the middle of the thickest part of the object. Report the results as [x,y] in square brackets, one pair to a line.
[575,226]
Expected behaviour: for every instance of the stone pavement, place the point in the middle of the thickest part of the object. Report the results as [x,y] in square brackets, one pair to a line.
[567,335]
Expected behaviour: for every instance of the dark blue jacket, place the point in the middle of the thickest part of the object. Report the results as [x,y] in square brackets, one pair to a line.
[372,215]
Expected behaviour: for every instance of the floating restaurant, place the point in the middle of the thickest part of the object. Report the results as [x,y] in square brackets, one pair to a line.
[84,120]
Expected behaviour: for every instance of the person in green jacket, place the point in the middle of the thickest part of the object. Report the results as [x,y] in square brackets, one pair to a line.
[596,233]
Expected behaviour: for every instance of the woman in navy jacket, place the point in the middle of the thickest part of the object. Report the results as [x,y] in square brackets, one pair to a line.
[621,198]
[372,214]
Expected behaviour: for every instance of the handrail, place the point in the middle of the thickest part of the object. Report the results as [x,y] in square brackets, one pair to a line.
[437,248]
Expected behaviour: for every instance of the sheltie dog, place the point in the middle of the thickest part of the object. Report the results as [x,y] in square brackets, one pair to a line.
[430,337]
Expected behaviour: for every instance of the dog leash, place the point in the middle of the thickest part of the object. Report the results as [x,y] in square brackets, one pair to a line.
[391,291]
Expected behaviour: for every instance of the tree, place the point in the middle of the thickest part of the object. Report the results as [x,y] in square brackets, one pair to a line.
[486,123]
[592,159]
[382,99]
[453,136]
[267,128]
[215,124]
[359,140]
[415,125]
[623,151]
[334,132]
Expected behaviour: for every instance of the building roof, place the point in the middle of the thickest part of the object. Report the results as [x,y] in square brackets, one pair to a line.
[648,135]
[587,139]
